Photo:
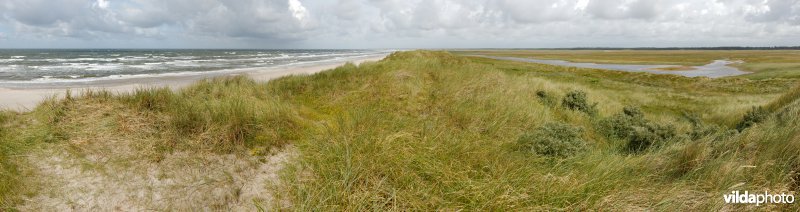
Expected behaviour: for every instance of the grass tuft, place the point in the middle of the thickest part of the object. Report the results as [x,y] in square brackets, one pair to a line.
[553,139]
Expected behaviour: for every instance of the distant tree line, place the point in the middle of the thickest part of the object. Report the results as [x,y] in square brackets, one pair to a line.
[679,48]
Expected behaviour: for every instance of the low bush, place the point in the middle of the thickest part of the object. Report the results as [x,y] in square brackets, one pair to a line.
[643,137]
[622,125]
[753,116]
[700,129]
[546,98]
[553,139]
[577,100]
[639,132]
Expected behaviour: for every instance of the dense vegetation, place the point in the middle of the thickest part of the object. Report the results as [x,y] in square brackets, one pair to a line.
[428,130]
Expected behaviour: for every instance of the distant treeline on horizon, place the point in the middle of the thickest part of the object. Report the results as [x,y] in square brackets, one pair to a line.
[677,48]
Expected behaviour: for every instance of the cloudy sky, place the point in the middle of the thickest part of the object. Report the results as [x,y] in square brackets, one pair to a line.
[396,23]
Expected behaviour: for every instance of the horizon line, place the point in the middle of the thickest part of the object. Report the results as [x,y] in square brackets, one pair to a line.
[457,48]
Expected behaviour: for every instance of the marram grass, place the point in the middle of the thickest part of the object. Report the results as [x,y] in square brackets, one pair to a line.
[426,130]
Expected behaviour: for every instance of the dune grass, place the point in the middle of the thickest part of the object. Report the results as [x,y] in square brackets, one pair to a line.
[439,133]
[426,130]
[8,168]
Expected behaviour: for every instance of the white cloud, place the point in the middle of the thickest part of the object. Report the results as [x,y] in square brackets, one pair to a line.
[298,11]
[411,23]
[102,4]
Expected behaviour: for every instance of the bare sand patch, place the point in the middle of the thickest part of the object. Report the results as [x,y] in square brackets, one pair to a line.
[183,181]
[109,161]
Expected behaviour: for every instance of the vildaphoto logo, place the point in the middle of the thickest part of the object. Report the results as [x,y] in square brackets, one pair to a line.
[758,198]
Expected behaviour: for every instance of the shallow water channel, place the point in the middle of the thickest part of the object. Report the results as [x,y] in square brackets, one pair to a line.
[716,69]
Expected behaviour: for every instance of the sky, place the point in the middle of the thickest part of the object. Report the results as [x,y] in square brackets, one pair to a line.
[397,23]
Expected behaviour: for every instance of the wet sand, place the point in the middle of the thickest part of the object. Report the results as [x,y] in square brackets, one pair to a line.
[26,98]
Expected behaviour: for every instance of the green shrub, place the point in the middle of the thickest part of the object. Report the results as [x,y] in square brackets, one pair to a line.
[633,112]
[700,129]
[622,125]
[639,132]
[577,100]
[643,137]
[553,139]
[546,98]
[753,116]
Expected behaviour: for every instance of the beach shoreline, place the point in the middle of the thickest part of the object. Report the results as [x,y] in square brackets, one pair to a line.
[25,99]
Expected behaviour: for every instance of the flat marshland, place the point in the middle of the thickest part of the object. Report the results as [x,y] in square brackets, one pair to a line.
[763,64]
[419,130]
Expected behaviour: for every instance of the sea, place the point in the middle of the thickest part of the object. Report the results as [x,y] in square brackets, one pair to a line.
[65,66]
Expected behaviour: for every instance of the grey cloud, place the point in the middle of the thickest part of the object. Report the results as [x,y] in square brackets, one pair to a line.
[347,9]
[625,9]
[269,19]
[409,22]
[73,18]
[537,11]
[41,12]
[774,10]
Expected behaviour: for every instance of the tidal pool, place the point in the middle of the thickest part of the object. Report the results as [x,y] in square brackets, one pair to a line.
[716,69]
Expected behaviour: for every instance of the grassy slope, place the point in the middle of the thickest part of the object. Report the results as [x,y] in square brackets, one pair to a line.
[764,64]
[430,130]
[8,169]
[18,135]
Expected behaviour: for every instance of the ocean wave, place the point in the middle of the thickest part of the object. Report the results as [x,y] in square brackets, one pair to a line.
[9,60]
[69,68]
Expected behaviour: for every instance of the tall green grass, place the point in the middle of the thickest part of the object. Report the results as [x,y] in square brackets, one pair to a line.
[427,130]
[222,114]
[8,169]
[789,97]
[431,131]
[19,134]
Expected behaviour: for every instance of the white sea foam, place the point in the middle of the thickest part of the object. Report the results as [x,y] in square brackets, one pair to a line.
[146,65]
[11,60]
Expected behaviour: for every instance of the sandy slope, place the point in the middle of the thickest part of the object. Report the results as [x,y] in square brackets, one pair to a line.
[183,181]
[102,168]
[26,99]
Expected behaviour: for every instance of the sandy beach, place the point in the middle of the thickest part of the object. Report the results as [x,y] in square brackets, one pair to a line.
[25,99]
